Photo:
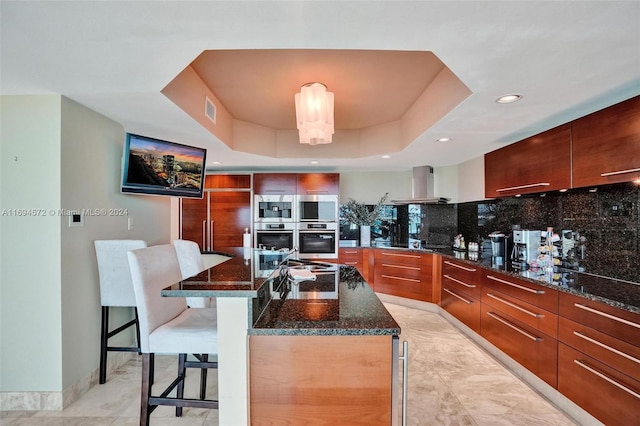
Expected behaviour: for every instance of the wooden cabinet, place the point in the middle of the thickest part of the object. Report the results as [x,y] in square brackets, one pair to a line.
[599,359]
[403,273]
[318,184]
[606,145]
[351,256]
[328,380]
[275,183]
[520,318]
[460,292]
[218,220]
[536,164]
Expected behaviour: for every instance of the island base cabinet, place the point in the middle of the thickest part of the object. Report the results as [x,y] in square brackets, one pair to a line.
[608,395]
[323,380]
[534,350]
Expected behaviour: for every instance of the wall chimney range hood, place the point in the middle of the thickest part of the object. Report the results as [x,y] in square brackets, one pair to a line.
[422,188]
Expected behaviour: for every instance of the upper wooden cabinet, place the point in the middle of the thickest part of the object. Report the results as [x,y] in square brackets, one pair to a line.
[319,184]
[536,164]
[606,145]
[275,183]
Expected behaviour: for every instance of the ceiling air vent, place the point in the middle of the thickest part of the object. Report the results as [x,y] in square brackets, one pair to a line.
[210,110]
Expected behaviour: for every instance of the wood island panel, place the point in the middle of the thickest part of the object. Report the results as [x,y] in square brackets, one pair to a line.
[330,380]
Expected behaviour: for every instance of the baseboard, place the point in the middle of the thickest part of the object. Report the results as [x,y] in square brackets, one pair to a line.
[57,401]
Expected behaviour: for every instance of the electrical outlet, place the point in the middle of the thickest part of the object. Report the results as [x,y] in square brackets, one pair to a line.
[129,223]
[76,218]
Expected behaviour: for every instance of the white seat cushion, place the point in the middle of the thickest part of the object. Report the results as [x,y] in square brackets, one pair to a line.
[193,331]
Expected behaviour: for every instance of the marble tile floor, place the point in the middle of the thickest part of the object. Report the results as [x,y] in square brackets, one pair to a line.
[451,382]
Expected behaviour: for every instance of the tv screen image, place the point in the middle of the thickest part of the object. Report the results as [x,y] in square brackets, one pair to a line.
[157,167]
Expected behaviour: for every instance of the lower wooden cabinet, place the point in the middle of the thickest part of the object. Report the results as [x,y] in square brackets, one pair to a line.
[404,273]
[314,380]
[461,306]
[460,292]
[351,256]
[536,351]
[609,395]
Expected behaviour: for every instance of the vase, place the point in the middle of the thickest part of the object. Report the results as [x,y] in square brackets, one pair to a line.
[365,235]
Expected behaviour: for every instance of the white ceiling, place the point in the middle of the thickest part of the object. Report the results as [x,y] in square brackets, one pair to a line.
[568,58]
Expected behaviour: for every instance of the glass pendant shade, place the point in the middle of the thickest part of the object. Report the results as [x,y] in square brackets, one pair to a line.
[314,114]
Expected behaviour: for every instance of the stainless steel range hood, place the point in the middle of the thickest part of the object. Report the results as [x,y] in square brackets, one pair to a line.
[422,188]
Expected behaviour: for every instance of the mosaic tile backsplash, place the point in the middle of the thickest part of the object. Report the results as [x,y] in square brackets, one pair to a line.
[606,222]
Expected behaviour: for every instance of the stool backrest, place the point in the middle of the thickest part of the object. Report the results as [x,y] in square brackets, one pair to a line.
[116,288]
[189,257]
[152,269]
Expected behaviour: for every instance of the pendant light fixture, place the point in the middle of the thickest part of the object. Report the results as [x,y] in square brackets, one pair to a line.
[314,114]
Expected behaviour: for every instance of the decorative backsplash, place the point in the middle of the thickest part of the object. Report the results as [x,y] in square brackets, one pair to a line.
[606,220]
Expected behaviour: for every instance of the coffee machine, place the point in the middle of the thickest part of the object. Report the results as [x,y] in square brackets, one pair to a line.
[525,247]
[500,244]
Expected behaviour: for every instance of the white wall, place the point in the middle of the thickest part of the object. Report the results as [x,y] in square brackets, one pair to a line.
[471,180]
[30,308]
[69,157]
[368,187]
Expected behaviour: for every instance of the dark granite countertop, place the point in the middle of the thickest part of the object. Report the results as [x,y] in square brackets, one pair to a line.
[337,302]
[613,292]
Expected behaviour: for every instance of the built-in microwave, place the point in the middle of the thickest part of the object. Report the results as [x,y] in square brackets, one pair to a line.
[317,240]
[274,208]
[317,208]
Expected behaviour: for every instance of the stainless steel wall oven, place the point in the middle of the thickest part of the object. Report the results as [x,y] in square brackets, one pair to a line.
[318,240]
[274,236]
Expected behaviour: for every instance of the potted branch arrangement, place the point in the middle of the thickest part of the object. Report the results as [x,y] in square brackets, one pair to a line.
[360,214]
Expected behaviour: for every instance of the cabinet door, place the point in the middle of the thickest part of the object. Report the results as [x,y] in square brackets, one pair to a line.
[604,392]
[536,164]
[319,184]
[534,294]
[275,183]
[194,222]
[461,306]
[351,256]
[606,145]
[230,213]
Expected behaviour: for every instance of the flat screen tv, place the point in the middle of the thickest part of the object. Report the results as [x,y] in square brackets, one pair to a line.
[157,167]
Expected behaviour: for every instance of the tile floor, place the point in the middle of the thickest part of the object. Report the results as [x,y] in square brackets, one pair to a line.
[451,382]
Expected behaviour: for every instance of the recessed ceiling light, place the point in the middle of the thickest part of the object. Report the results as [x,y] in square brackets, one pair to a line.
[386,156]
[507,99]
[443,139]
[313,161]
[216,162]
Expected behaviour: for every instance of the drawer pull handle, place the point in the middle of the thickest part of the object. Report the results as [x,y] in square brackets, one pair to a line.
[513,305]
[607,347]
[521,287]
[459,282]
[413,268]
[350,263]
[531,185]
[607,378]
[619,172]
[518,329]
[413,256]
[606,315]
[460,267]
[400,278]
[351,251]
[468,302]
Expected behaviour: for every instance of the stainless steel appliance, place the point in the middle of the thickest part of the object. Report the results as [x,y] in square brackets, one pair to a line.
[317,208]
[266,261]
[317,240]
[500,243]
[273,208]
[525,246]
[274,236]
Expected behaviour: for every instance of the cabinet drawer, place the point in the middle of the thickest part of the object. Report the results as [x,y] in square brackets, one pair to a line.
[610,396]
[461,285]
[621,324]
[350,256]
[522,312]
[401,257]
[610,351]
[470,274]
[537,295]
[461,306]
[534,350]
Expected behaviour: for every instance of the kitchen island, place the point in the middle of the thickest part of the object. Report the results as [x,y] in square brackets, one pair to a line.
[317,340]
